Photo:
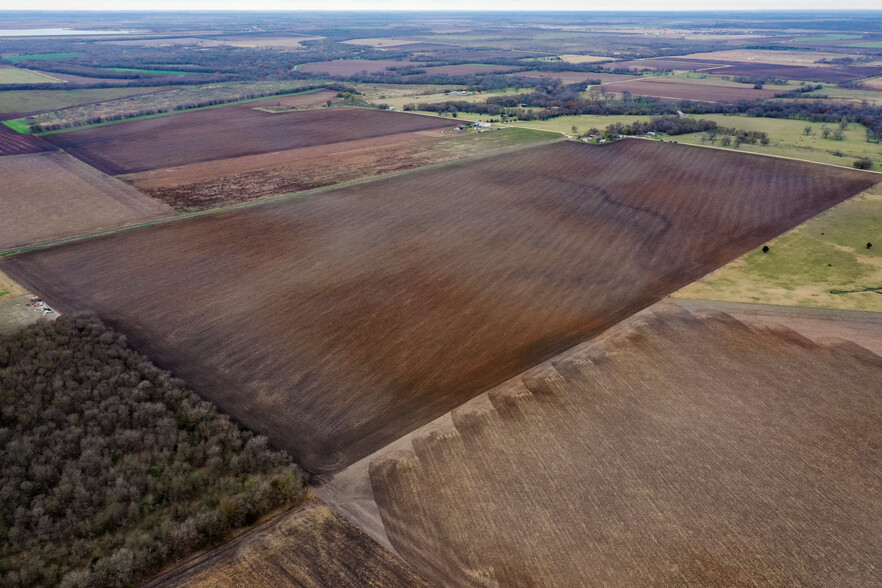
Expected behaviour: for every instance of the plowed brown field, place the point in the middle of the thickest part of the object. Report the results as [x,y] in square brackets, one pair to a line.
[230,131]
[47,196]
[337,322]
[675,90]
[680,451]
[211,184]
[311,546]
[14,143]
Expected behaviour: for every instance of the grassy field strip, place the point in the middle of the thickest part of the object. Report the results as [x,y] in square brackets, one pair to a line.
[44,56]
[51,99]
[788,139]
[188,215]
[18,125]
[823,263]
[155,71]
[16,75]
[814,161]
[21,123]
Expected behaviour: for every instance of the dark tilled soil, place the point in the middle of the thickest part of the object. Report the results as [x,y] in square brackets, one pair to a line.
[337,322]
[14,143]
[230,131]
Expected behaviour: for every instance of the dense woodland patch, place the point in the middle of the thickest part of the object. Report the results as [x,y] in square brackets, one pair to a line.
[110,468]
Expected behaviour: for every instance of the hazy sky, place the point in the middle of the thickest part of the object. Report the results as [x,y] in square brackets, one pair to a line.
[432,5]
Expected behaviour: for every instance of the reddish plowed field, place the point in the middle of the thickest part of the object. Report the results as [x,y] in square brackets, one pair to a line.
[232,131]
[14,143]
[230,181]
[572,77]
[674,90]
[337,322]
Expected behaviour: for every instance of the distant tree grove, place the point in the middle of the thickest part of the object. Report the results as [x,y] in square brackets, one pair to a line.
[110,468]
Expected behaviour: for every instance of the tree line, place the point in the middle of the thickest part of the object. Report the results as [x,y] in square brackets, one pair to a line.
[110,468]
[552,99]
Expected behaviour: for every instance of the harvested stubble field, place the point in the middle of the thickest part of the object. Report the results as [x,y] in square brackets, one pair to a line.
[350,317]
[53,195]
[13,143]
[675,451]
[229,131]
[211,184]
[311,546]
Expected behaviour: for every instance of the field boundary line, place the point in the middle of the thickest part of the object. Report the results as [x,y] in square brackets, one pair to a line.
[775,310]
[262,201]
[871,171]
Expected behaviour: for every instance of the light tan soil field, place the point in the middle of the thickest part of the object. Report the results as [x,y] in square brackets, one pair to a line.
[49,196]
[311,546]
[873,83]
[335,323]
[281,42]
[570,58]
[673,451]
[768,56]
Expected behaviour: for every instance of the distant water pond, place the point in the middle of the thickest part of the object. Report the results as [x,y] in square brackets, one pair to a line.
[55,32]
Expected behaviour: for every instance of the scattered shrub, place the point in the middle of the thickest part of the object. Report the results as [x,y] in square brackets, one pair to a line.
[864,163]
